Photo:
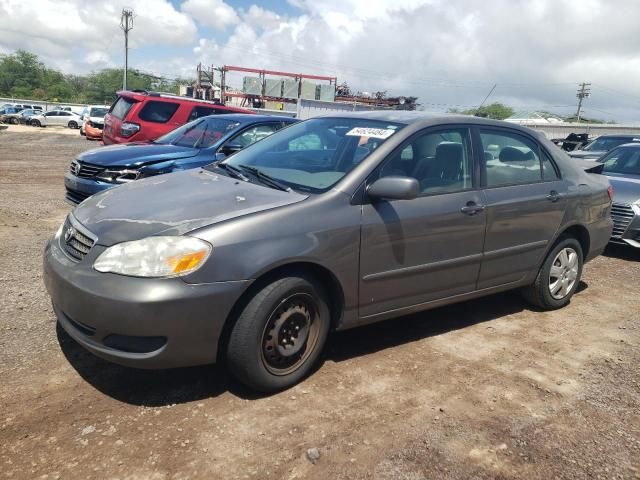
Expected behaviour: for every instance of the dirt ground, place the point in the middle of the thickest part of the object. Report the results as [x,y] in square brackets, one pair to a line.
[485,389]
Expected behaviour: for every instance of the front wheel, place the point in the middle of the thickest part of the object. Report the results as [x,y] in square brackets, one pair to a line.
[279,335]
[72,124]
[36,123]
[559,276]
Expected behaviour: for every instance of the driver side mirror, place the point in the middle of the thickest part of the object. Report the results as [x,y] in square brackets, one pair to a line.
[230,148]
[394,188]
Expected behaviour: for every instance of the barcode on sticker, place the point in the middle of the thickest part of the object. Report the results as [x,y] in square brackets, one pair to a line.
[370,132]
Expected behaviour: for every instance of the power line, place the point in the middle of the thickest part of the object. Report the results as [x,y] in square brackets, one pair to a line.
[126,23]
[583,92]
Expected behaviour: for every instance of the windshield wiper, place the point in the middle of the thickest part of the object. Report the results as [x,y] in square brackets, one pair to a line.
[266,178]
[234,171]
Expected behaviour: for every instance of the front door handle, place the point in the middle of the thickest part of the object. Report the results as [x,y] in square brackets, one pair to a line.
[471,208]
[553,196]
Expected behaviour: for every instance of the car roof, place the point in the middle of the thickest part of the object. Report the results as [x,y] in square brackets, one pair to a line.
[411,117]
[250,118]
[629,135]
[630,145]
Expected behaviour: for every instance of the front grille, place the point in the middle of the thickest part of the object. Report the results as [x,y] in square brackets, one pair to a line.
[75,196]
[622,215]
[84,170]
[75,243]
[99,126]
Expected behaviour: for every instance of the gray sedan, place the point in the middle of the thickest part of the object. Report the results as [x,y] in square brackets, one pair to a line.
[622,166]
[328,224]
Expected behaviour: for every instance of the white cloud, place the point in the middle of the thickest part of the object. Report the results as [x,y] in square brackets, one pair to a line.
[58,31]
[212,13]
[446,52]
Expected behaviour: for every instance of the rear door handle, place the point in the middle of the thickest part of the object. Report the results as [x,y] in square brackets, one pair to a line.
[471,208]
[553,196]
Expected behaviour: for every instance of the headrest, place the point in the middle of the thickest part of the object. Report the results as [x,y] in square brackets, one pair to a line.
[449,150]
[512,154]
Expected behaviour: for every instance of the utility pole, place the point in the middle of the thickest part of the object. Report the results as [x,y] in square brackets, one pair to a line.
[584,91]
[126,23]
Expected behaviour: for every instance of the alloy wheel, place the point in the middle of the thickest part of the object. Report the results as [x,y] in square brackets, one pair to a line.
[564,273]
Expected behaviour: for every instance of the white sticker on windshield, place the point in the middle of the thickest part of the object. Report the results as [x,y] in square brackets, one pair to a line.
[371,132]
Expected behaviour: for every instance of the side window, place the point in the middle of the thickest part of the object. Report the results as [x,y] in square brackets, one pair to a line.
[253,134]
[548,170]
[510,159]
[198,112]
[51,114]
[441,161]
[158,112]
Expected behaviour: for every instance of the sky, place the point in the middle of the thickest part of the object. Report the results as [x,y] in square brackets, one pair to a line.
[449,53]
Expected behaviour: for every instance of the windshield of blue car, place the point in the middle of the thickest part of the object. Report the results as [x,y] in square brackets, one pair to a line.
[314,155]
[98,112]
[604,144]
[201,133]
[624,160]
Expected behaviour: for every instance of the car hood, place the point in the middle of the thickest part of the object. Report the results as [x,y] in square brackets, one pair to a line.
[586,154]
[136,154]
[626,189]
[96,119]
[174,204]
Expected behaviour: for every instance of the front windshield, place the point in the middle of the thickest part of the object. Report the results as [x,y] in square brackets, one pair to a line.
[623,160]
[201,133]
[98,112]
[604,144]
[314,155]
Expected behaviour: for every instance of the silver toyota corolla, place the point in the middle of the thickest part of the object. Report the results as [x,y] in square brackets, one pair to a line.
[328,224]
[622,166]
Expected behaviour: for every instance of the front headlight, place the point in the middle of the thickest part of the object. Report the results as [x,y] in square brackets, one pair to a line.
[118,176]
[155,257]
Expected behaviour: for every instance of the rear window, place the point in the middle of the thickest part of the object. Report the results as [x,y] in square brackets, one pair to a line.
[158,112]
[121,107]
[198,112]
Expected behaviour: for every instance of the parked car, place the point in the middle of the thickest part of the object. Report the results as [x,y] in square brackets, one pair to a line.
[24,117]
[331,223]
[196,144]
[56,118]
[93,121]
[9,115]
[143,116]
[622,166]
[602,145]
[21,106]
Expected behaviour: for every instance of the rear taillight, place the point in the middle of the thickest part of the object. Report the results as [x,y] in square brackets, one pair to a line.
[128,128]
[610,192]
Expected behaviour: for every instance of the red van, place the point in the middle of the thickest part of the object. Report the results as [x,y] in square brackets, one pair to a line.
[140,116]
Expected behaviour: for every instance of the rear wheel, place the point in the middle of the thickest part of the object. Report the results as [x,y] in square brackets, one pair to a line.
[279,335]
[72,124]
[14,121]
[559,276]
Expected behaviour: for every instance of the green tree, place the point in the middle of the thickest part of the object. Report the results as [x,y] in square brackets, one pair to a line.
[497,111]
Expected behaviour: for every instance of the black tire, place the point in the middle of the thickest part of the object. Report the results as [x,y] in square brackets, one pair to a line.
[279,335]
[36,123]
[82,132]
[14,121]
[72,124]
[540,294]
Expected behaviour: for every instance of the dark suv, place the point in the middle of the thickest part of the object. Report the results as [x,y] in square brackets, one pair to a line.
[138,116]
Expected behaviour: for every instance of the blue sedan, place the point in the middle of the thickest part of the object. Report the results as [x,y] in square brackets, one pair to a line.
[193,145]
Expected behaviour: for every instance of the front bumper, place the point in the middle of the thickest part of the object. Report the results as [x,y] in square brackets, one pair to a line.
[92,132]
[138,322]
[79,189]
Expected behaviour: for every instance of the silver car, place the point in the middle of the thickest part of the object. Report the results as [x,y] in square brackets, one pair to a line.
[328,224]
[622,166]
